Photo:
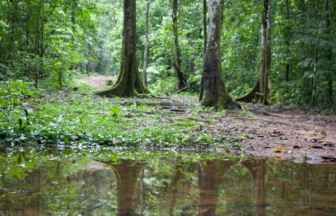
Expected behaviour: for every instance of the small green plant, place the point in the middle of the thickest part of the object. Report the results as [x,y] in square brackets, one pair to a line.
[109,82]
[23,123]
[115,110]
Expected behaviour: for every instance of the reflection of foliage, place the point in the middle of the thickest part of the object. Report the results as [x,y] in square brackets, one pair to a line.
[66,181]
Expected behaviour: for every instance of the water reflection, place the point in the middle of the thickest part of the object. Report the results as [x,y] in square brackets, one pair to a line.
[70,184]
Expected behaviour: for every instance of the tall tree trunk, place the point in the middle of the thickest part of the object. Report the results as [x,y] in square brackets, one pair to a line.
[37,42]
[215,94]
[129,82]
[267,80]
[205,10]
[144,74]
[73,22]
[260,91]
[329,53]
[287,36]
[177,65]
[313,102]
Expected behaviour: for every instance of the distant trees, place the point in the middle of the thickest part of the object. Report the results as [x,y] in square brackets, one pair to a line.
[53,40]
[38,38]
[177,62]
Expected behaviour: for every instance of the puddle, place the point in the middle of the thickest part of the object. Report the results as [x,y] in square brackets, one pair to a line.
[116,182]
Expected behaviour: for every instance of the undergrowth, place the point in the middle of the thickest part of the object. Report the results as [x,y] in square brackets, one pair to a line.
[69,117]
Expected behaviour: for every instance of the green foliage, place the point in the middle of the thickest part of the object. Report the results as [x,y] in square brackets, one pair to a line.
[115,110]
[13,93]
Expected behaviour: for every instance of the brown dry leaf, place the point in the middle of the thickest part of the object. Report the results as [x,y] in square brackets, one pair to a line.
[279,150]
[282,145]
[296,146]
[277,158]
[227,151]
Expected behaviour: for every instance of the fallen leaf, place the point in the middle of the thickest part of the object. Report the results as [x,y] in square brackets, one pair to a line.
[279,150]
[296,146]
[227,151]
[277,158]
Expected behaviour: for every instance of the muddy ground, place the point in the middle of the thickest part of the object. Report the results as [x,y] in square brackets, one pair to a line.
[282,132]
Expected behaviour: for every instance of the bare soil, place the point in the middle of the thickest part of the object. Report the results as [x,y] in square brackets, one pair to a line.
[282,132]
[97,81]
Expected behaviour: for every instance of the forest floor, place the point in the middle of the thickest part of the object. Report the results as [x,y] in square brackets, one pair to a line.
[285,131]
[81,119]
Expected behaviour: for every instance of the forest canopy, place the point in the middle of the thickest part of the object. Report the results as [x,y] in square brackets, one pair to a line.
[50,42]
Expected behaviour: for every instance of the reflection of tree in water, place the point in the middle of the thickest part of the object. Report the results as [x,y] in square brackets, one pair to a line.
[126,173]
[210,176]
[57,187]
[257,168]
[168,186]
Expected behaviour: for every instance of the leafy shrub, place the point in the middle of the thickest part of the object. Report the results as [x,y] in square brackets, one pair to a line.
[14,92]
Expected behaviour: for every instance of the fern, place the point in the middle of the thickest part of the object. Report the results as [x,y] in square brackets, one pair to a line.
[313,41]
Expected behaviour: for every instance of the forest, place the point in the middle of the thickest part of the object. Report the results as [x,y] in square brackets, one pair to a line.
[174,107]
[77,71]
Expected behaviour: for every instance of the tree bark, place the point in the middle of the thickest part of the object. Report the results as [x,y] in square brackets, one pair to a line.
[73,22]
[287,36]
[129,83]
[313,102]
[329,54]
[215,94]
[144,74]
[205,10]
[177,65]
[260,91]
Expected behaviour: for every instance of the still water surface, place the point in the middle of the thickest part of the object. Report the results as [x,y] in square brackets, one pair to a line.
[109,182]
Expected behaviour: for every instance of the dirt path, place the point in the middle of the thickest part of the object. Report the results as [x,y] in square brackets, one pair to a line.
[277,131]
[96,81]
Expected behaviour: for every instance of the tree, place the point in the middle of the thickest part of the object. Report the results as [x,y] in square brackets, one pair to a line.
[205,11]
[144,75]
[129,82]
[329,53]
[287,36]
[261,89]
[177,65]
[317,55]
[215,94]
